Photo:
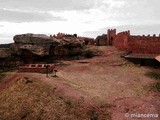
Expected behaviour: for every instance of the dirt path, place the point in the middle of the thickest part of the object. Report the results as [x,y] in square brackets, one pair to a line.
[120,104]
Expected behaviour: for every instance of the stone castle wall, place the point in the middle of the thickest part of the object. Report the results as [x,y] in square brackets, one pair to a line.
[121,40]
[137,44]
[144,44]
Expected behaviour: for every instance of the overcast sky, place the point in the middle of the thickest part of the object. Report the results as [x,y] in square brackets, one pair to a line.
[84,17]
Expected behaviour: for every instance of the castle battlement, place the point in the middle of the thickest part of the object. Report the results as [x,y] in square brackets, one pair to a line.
[144,37]
[143,44]
[124,33]
[111,29]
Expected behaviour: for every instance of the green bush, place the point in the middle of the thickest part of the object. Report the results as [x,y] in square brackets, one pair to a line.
[88,54]
[74,53]
[4,45]
[156,86]
[153,75]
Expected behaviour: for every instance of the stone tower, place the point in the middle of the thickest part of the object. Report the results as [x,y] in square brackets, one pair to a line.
[111,33]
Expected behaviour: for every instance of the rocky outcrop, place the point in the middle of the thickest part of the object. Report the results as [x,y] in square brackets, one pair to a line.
[7,60]
[30,45]
[35,49]
[5,53]
[34,39]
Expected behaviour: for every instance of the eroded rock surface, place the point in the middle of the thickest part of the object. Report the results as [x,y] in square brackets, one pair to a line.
[40,44]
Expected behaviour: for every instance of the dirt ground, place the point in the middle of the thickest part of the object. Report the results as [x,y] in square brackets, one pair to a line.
[105,81]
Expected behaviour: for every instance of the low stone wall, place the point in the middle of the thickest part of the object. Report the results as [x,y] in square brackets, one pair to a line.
[39,68]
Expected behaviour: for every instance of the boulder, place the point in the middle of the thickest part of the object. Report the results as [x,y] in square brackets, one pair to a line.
[32,39]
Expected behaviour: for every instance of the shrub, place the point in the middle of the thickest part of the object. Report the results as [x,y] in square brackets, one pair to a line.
[156,86]
[69,104]
[4,45]
[153,75]
[88,54]
[74,53]
[92,114]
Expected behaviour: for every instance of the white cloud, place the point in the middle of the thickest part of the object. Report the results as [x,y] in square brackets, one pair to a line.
[75,16]
[48,4]
[114,3]
[16,15]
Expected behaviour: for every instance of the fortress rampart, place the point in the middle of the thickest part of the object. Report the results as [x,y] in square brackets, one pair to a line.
[120,41]
[144,44]
[137,44]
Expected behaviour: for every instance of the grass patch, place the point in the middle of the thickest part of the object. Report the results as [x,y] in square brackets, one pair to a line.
[153,75]
[7,69]
[54,76]
[1,76]
[106,105]
[61,64]
[156,86]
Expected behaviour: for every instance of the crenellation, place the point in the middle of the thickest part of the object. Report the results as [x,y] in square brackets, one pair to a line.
[124,33]
[129,32]
[154,35]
